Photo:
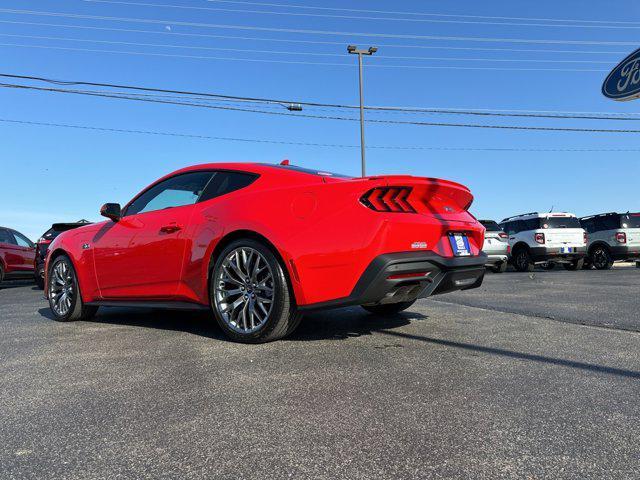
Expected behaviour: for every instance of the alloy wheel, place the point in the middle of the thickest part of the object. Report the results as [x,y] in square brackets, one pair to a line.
[243,290]
[61,289]
[600,258]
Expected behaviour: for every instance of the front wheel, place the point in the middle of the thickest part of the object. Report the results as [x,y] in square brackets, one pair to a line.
[387,309]
[574,265]
[63,291]
[250,294]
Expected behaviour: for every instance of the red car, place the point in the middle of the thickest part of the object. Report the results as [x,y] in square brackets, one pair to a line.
[17,254]
[261,244]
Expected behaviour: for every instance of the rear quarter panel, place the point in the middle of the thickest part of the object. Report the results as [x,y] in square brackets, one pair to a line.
[324,235]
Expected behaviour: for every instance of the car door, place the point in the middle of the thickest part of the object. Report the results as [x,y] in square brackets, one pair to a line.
[26,250]
[141,255]
[15,256]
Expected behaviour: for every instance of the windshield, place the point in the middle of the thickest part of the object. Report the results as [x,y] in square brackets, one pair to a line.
[630,220]
[491,226]
[560,222]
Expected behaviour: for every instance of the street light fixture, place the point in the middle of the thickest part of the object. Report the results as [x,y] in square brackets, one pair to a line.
[370,51]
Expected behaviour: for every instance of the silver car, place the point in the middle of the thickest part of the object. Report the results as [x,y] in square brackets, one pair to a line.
[496,246]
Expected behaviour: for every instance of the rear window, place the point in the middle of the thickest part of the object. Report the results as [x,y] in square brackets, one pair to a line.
[560,222]
[322,173]
[631,220]
[491,226]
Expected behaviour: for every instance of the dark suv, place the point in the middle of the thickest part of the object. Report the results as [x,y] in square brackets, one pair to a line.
[43,245]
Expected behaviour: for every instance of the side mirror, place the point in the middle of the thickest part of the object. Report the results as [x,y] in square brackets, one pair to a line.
[112,211]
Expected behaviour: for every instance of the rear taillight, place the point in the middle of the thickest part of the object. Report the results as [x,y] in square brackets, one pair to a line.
[508,248]
[621,237]
[539,237]
[503,235]
[388,199]
[585,238]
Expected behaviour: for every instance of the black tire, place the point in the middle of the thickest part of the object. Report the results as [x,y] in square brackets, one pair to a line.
[1,273]
[76,309]
[574,265]
[499,268]
[522,261]
[601,257]
[388,309]
[548,266]
[39,277]
[282,317]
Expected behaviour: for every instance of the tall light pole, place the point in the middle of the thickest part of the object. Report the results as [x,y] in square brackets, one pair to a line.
[370,51]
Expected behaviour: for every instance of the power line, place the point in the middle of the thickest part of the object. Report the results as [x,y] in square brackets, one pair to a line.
[216,96]
[297,62]
[387,12]
[281,52]
[308,42]
[356,17]
[313,144]
[308,31]
[325,117]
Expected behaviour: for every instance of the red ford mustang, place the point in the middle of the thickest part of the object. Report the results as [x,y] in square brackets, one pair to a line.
[260,244]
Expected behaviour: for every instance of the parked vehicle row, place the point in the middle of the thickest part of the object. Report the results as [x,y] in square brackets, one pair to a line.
[560,238]
[258,245]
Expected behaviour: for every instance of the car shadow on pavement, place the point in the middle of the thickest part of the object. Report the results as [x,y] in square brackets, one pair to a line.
[591,367]
[344,323]
[338,324]
[196,323]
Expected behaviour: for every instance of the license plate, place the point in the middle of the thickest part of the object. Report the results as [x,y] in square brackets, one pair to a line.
[459,245]
[566,249]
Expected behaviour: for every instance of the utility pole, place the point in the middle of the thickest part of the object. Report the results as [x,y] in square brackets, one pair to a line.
[370,51]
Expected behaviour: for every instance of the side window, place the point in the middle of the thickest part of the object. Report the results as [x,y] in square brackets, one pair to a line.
[589,225]
[226,182]
[518,226]
[21,240]
[176,191]
[7,237]
[531,224]
[612,222]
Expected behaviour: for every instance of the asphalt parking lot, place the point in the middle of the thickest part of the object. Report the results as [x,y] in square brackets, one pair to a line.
[530,376]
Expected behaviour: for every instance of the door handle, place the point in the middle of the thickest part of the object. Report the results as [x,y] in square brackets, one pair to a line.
[171,228]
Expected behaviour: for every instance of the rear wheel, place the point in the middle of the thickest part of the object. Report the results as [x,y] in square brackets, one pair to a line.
[388,308]
[63,291]
[250,294]
[601,258]
[574,265]
[522,261]
[40,278]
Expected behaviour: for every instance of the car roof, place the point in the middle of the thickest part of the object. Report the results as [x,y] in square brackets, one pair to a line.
[528,216]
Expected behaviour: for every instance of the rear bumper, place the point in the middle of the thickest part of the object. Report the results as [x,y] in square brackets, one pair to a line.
[543,254]
[496,259]
[442,275]
[625,252]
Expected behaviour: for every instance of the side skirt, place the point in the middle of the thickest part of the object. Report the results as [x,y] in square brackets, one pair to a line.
[150,304]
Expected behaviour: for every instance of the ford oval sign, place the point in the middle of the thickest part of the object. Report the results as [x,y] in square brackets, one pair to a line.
[623,83]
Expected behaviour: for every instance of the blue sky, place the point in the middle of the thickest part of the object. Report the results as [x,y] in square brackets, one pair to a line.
[53,174]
